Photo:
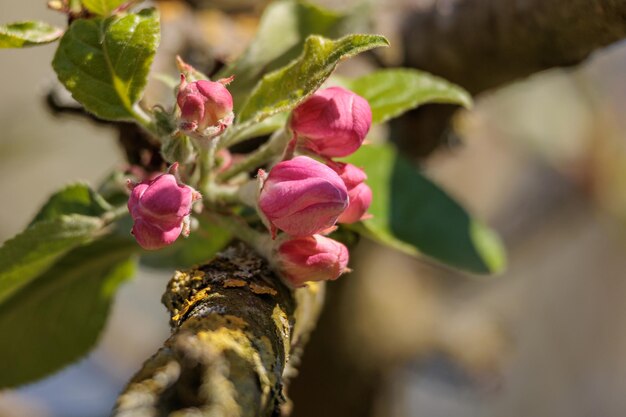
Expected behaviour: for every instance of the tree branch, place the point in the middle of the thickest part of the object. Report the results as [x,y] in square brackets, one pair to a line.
[483,44]
[237,334]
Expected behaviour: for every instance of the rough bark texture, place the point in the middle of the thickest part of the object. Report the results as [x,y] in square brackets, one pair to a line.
[483,44]
[237,335]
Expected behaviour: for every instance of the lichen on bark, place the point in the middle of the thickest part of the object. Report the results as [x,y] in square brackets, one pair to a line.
[237,334]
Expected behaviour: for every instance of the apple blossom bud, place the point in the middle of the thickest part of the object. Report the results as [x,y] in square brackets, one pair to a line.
[359,193]
[301,197]
[332,122]
[160,210]
[311,258]
[350,174]
[206,107]
[360,200]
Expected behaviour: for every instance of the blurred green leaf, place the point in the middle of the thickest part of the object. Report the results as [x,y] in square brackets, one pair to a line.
[201,245]
[22,34]
[57,318]
[102,7]
[282,30]
[73,199]
[104,63]
[33,251]
[284,89]
[391,92]
[412,214]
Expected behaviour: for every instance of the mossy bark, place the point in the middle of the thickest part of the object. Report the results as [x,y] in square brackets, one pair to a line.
[237,334]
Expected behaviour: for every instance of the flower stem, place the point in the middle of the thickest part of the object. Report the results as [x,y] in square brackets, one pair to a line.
[204,167]
[259,241]
[144,120]
[270,149]
[211,191]
[115,214]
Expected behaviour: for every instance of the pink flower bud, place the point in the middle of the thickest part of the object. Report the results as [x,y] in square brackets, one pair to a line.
[312,258]
[206,107]
[302,197]
[350,174]
[332,122]
[360,200]
[359,193]
[160,210]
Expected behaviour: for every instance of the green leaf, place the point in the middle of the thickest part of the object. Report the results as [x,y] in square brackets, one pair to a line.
[34,250]
[284,89]
[414,215]
[104,63]
[201,245]
[73,199]
[280,36]
[392,92]
[23,34]
[57,318]
[102,7]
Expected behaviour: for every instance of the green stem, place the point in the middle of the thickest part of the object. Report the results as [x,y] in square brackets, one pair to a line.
[211,191]
[144,120]
[204,167]
[224,194]
[231,136]
[270,149]
[212,149]
[259,241]
[115,214]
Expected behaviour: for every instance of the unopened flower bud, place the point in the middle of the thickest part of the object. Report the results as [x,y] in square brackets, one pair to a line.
[206,107]
[360,200]
[332,122]
[359,193]
[160,210]
[311,258]
[302,196]
[350,174]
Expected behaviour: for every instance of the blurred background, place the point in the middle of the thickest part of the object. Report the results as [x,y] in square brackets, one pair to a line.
[542,160]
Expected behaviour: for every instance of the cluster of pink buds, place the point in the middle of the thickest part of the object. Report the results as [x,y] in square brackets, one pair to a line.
[160,209]
[305,198]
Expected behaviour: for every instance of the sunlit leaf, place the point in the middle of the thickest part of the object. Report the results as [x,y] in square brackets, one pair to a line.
[391,92]
[73,199]
[280,36]
[285,88]
[104,63]
[102,7]
[22,34]
[71,217]
[33,251]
